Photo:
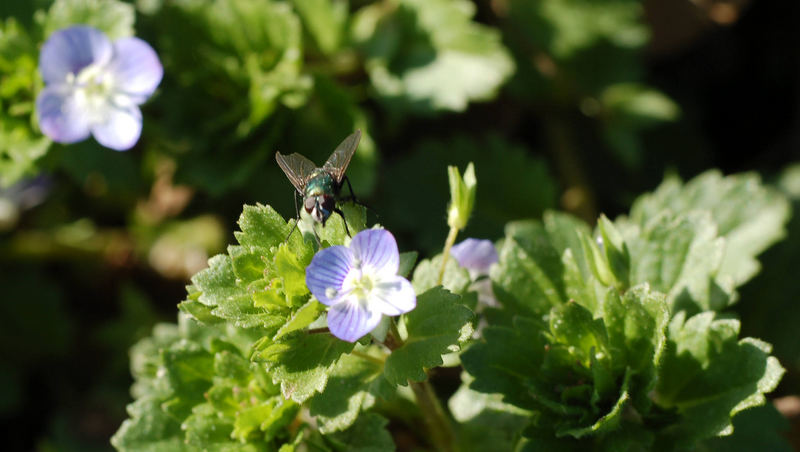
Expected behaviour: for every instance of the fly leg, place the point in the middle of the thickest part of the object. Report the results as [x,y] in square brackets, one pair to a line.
[297,219]
[344,220]
[352,198]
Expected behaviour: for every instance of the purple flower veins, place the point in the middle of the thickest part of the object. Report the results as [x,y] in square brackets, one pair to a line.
[360,283]
[95,86]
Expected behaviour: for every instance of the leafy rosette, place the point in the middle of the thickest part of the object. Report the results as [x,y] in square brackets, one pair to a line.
[259,289]
[609,339]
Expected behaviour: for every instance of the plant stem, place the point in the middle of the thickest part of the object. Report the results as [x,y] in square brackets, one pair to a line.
[440,430]
[451,239]
[439,427]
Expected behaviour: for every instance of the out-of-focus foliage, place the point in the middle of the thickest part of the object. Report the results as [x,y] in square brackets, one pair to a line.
[426,55]
[570,104]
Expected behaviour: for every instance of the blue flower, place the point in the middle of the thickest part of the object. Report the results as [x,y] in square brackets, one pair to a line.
[477,256]
[95,86]
[360,283]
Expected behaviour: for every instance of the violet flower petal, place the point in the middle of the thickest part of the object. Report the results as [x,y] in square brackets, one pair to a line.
[59,116]
[377,249]
[121,128]
[393,296]
[70,50]
[476,255]
[136,68]
[327,270]
[350,321]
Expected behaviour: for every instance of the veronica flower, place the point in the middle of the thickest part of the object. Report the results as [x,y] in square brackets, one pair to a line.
[477,256]
[360,283]
[95,86]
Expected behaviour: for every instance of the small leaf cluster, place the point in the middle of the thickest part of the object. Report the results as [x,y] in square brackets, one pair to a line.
[269,362]
[615,338]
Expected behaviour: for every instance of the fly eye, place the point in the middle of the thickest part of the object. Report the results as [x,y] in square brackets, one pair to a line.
[328,203]
[309,203]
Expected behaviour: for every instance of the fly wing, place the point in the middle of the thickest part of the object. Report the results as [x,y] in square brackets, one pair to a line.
[297,169]
[338,161]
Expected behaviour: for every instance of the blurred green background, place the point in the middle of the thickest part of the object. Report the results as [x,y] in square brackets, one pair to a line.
[578,105]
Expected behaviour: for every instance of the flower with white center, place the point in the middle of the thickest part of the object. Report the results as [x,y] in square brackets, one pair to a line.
[95,86]
[360,283]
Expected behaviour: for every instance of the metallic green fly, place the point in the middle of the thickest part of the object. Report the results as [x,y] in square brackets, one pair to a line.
[320,187]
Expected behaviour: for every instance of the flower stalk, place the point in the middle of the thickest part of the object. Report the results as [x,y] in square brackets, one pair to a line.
[440,430]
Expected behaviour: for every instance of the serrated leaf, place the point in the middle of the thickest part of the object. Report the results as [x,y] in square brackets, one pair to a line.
[302,363]
[529,276]
[758,428]
[748,215]
[148,429]
[261,226]
[681,255]
[708,375]
[352,387]
[368,434]
[435,327]
[292,272]
[303,317]
[496,365]
[203,427]
[415,47]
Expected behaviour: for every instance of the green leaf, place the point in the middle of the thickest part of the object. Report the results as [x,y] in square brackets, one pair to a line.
[708,375]
[485,422]
[261,226]
[426,275]
[113,17]
[303,317]
[324,20]
[414,47]
[758,428]
[302,363]
[616,251]
[369,434]
[529,276]
[148,429]
[407,261]
[437,326]
[353,386]
[566,27]
[219,291]
[681,255]
[750,216]
[576,373]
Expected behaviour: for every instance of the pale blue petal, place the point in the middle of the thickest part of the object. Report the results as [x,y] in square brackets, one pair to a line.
[70,50]
[476,255]
[327,270]
[59,117]
[136,68]
[349,321]
[120,129]
[377,249]
[393,296]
